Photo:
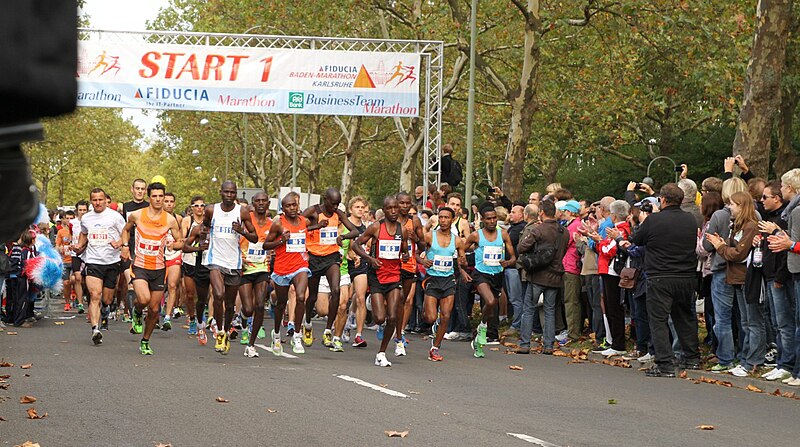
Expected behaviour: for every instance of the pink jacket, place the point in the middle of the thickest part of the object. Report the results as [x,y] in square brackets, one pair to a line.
[571,257]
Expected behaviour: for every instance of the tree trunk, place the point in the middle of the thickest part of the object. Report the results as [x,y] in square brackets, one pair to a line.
[523,105]
[353,145]
[762,87]
[786,158]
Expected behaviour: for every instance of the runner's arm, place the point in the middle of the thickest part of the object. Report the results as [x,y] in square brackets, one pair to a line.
[462,259]
[249,232]
[82,241]
[369,234]
[126,230]
[403,243]
[275,236]
[188,246]
[354,232]
[315,226]
[176,234]
[426,241]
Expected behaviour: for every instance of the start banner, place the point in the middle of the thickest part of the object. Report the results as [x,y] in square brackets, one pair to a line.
[242,79]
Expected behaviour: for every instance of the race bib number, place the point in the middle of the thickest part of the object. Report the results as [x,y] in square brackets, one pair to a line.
[148,247]
[442,263]
[492,255]
[328,235]
[389,249]
[98,237]
[256,253]
[410,244]
[296,243]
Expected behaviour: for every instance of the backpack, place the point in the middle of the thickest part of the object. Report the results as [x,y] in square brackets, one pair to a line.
[456,174]
[542,255]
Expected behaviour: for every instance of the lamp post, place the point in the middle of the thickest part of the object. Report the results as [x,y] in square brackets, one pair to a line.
[674,166]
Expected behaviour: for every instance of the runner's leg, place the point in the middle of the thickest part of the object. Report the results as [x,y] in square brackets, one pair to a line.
[334,277]
[218,295]
[341,314]
[260,295]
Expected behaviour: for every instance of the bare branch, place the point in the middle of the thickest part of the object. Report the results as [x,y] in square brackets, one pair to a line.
[626,157]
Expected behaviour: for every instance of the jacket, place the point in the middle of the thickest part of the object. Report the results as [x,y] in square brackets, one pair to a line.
[547,231]
[775,266]
[793,259]
[736,253]
[607,250]
[720,224]
[670,238]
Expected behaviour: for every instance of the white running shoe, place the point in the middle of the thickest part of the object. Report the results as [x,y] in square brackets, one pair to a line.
[250,352]
[645,358]
[778,374]
[277,347]
[739,371]
[451,336]
[399,349]
[297,344]
[611,352]
[381,360]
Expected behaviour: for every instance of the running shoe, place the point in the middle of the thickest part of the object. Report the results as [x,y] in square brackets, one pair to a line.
[308,336]
[379,332]
[327,339]
[234,333]
[67,307]
[177,312]
[720,368]
[359,342]
[167,324]
[136,323]
[250,352]
[245,339]
[226,347]
[126,318]
[262,334]
[193,327]
[346,336]
[336,346]
[381,360]
[201,335]
[435,328]
[434,356]
[104,323]
[478,348]
[97,336]
[290,329]
[219,342]
[399,348]
[277,348]
[144,348]
[297,344]
[237,322]
[481,338]
[404,339]
[80,308]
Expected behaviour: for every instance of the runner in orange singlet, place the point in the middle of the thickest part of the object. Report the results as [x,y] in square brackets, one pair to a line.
[149,268]
[255,278]
[408,269]
[287,236]
[324,259]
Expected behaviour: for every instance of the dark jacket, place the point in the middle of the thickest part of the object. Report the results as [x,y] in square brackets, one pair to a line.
[515,232]
[775,268]
[549,231]
[670,237]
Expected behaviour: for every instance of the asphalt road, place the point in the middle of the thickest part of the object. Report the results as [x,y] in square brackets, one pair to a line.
[110,395]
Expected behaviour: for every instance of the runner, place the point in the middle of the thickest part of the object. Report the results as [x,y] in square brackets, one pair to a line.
[173,261]
[408,269]
[100,242]
[195,275]
[255,280]
[388,251]
[138,190]
[226,221]
[149,267]
[63,244]
[490,243]
[323,297]
[440,284]
[287,236]
[324,259]
[81,208]
[358,275]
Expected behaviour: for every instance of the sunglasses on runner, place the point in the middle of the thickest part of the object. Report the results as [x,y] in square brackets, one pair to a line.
[199,205]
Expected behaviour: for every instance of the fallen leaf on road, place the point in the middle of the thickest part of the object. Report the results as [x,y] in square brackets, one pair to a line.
[575,361]
[26,399]
[683,375]
[26,366]
[383,385]
[11,333]
[58,323]
[494,349]
[510,352]
[788,394]
[27,375]
[29,444]
[161,444]
[714,381]
[64,341]
[5,376]
[2,419]
[396,434]
[4,386]
[560,353]
[754,389]
[413,392]
[612,401]
[777,392]
[705,427]
[222,400]
[446,414]
[32,414]
[185,326]
[508,344]
[271,411]
[515,367]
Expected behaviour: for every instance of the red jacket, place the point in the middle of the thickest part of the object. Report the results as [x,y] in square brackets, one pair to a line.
[607,249]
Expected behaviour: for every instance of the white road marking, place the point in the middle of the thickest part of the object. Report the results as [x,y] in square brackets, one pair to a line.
[532,440]
[372,386]
[283,354]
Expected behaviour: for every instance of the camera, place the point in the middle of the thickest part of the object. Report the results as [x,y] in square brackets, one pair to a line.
[638,186]
[646,207]
[678,168]
[736,162]
[490,190]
